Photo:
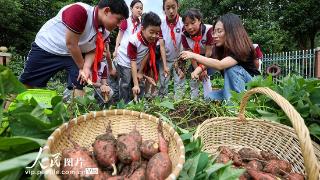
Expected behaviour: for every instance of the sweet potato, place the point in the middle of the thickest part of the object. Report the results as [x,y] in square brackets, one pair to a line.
[136,135]
[258,175]
[295,176]
[245,176]
[80,154]
[149,148]
[268,156]
[237,161]
[102,176]
[159,167]
[127,149]
[254,165]
[116,178]
[248,154]
[163,144]
[278,167]
[223,158]
[140,173]
[104,149]
[227,151]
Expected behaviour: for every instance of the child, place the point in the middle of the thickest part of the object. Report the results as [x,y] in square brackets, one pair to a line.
[197,38]
[235,55]
[129,26]
[170,45]
[131,62]
[61,42]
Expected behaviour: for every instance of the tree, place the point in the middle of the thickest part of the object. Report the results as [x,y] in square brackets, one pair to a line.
[301,19]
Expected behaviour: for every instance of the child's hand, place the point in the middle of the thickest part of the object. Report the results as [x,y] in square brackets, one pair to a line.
[84,75]
[180,73]
[151,80]
[204,75]
[115,53]
[105,89]
[140,76]
[194,76]
[113,72]
[184,55]
[136,90]
[166,71]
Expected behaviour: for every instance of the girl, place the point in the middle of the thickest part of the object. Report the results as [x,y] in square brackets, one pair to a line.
[234,55]
[197,38]
[131,25]
[170,45]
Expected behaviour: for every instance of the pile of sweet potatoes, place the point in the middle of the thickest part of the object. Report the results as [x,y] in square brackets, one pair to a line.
[126,157]
[259,165]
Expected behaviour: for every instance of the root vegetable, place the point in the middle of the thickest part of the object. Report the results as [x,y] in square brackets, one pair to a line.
[295,176]
[249,154]
[104,149]
[237,161]
[258,175]
[149,148]
[268,156]
[128,149]
[81,155]
[116,178]
[136,135]
[160,166]
[227,151]
[140,173]
[245,176]
[254,165]
[223,158]
[278,167]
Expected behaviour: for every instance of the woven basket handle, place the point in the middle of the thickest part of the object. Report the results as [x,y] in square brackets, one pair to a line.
[310,160]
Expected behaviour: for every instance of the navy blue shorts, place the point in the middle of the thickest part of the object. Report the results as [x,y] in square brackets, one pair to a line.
[42,65]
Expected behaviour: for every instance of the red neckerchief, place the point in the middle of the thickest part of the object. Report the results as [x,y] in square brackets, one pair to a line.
[99,48]
[135,23]
[152,52]
[196,48]
[172,26]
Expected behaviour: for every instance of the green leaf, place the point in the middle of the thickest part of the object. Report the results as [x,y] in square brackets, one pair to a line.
[216,167]
[186,136]
[167,104]
[315,96]
[268,115]
[315,130]
[24,124]
[9,84]
[229,173]
[16,163]
[15,174]
[56,100]
[15,146]
[203,161]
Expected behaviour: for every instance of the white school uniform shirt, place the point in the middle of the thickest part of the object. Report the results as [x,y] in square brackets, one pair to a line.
[207,39]
[134,49]
[127,27]
[172,52]
[80,18]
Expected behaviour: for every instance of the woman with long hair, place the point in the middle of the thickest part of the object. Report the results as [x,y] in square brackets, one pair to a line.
[234,54]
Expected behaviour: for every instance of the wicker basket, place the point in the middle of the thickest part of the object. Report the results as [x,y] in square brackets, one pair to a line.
[85,128]
[283,141]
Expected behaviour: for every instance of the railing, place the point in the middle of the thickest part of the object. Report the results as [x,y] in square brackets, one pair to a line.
[294,62]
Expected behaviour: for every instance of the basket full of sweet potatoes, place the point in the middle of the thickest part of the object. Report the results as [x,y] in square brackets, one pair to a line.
[265,149]
[114,144]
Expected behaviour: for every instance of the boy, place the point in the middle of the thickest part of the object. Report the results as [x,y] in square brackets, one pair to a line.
[69,39]
[132,57]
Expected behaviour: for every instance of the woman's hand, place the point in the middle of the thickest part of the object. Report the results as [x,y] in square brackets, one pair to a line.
[105,89]
[184,55]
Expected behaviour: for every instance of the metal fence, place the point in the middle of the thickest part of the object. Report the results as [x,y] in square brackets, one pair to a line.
[294,62]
